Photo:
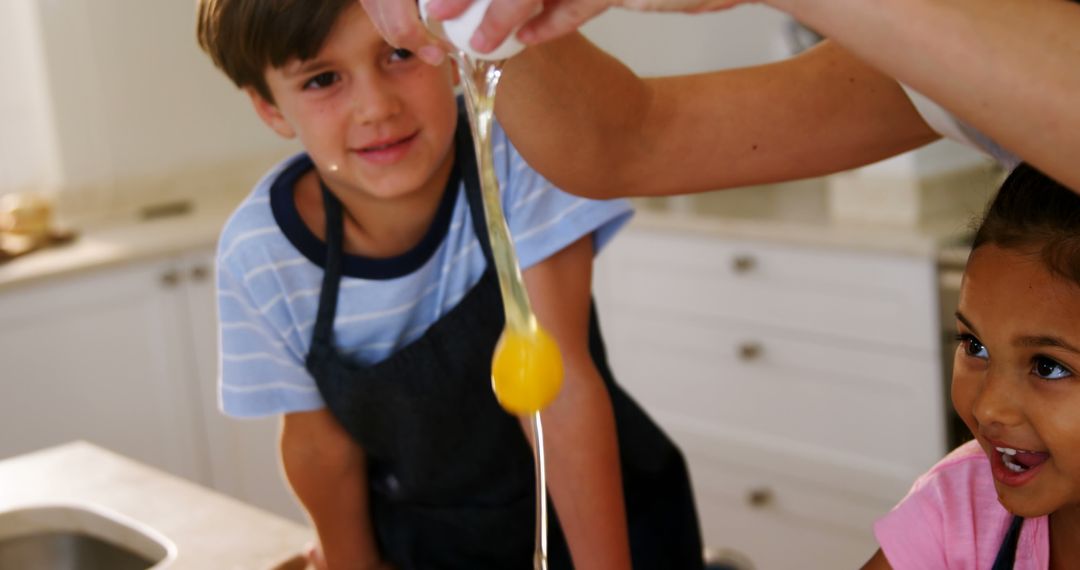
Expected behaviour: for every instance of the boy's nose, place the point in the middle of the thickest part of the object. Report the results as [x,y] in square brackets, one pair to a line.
[997,402]
[373,103]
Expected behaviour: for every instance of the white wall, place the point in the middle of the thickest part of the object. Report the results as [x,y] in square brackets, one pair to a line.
[668,44]
[123,92]
[27,138]
[135,96]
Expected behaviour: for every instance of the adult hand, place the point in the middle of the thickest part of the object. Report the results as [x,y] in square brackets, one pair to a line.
[543,20]
[399,23]
[314,557]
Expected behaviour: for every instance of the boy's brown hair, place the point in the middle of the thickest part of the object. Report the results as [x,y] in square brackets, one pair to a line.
[245,37]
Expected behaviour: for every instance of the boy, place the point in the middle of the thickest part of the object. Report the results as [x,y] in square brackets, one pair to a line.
[356,299]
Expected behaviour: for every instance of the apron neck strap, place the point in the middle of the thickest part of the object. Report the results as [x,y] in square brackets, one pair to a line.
[1006,555]
[328,296]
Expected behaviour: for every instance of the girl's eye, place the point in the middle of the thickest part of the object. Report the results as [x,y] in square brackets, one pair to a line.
[1049,369]
[972,347]
[322,80]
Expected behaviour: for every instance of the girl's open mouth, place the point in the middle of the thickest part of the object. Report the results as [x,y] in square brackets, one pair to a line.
[1015,467]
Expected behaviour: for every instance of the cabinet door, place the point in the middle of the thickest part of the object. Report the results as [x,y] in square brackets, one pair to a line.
[243,453]
[100,357]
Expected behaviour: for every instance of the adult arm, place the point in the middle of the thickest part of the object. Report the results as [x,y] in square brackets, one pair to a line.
[1009,68]
[591,126]
[579,427]
[327,472]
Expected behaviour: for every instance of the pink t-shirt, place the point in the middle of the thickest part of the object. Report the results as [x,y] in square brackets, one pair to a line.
[951,519]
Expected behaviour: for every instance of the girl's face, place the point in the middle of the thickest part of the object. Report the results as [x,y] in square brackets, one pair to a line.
[1015,380]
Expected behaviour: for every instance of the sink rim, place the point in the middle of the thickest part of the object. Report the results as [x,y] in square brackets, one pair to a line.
[91,519]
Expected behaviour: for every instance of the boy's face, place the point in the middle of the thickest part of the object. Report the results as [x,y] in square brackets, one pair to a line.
[1014,380]
[374,119]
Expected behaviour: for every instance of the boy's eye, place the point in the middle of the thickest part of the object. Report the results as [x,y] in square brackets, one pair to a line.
[1049,369]
[322,80]
[401,54]
[972,346]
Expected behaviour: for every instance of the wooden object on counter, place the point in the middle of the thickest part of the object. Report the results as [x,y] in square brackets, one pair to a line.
[210,530]
[13,245]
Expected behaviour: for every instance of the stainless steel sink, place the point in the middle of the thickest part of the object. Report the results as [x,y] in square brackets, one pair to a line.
[78,537]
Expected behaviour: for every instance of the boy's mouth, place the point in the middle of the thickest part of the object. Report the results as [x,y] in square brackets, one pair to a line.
[387,145]
[387,152]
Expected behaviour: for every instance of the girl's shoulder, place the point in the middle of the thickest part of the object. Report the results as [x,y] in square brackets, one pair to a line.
[951,517]
[961,464]
[959,486]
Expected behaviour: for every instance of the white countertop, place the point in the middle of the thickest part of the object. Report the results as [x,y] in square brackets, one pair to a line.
[922,241]
[210,530]
[114,242]
[126,241]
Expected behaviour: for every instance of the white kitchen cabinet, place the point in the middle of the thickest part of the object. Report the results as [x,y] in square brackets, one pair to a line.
[802,383]
[126,357]
[101,357]
[242,453]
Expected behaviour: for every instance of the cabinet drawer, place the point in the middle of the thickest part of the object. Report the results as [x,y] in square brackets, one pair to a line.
[786,391]
[775,520]
[879,299]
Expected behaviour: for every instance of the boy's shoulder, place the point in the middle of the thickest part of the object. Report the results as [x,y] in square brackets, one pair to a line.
[252,223]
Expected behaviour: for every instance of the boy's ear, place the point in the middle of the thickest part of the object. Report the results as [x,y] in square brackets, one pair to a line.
[270,114]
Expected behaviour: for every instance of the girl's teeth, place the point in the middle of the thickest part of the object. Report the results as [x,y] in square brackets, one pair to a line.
[1006,450]
[1012,465]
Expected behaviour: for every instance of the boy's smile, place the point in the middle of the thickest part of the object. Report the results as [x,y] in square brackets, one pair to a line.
[376,121]
[1014,379]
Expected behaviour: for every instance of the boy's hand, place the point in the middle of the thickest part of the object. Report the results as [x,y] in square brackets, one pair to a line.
[399,23]
[316,561]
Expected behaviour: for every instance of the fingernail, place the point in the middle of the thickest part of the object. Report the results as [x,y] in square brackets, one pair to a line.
[431,55]
[479,42]
[526,36]
[435,8]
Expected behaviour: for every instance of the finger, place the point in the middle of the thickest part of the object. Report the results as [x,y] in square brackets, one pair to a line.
[447,9]
[398,21]
[560,19]
[502,18]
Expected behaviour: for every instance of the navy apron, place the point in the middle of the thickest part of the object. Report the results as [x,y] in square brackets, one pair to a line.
[1006,555]
[450,473]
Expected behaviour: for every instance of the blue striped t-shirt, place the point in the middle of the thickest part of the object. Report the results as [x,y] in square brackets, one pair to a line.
[270,274]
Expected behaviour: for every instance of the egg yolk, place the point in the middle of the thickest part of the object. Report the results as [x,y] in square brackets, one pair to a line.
[527,370]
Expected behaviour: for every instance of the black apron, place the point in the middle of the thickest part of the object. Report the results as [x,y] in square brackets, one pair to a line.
[451,473]
[1006,555]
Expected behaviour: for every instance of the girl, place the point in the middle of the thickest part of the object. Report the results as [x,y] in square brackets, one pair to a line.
[1011,497]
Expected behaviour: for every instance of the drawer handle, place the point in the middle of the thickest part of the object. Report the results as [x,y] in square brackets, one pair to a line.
[750,351]
[200,273]
[170,278]
[760,497]
[743,263]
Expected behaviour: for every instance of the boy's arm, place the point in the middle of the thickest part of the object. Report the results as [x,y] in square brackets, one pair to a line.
[326,470]
[591,126]
[579,428]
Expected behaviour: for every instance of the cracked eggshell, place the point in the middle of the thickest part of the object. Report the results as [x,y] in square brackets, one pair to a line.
[460,30]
